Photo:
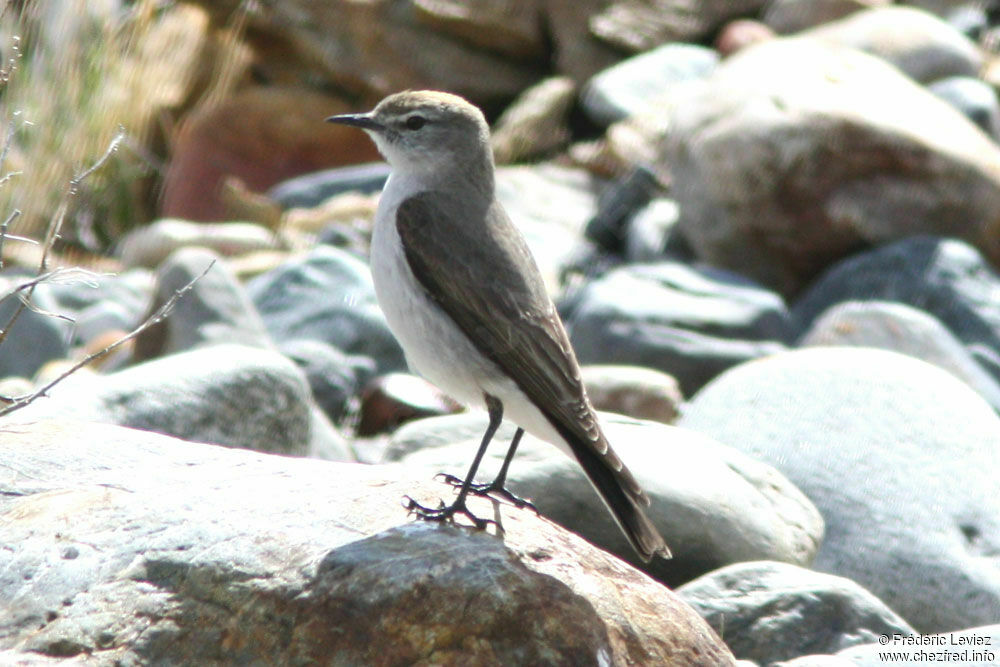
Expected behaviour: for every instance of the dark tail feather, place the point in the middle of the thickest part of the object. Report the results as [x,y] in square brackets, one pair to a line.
[624,497]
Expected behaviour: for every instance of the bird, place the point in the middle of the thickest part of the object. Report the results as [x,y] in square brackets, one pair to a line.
[463,295]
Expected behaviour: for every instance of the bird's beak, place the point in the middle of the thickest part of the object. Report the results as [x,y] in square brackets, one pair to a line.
[362,120]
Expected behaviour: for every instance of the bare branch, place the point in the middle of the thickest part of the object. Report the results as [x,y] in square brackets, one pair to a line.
[3,229]
[18,402]
[52,233]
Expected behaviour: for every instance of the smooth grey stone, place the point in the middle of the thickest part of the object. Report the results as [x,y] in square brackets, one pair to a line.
[946,278]
[131,548]
[230,395]
[779,177]
[901,328]
[920,44]
[34,338]
[327,295]
[651,231]
[700,490]
[973,97]
[770,611]
[311,190]
[215,310]
[632,85]
[690,322]
[334,377]
[617,204]
[901,458]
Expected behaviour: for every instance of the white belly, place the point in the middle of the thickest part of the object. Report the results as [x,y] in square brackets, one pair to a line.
[435,347]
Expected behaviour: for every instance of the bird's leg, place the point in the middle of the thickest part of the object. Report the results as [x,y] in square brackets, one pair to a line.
[495,409]
[497,488]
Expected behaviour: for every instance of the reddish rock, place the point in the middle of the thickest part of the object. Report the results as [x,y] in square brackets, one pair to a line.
[390,400]
[261,136]
[740,34]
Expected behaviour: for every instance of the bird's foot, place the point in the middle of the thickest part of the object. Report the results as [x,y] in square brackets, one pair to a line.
[446,513]
[492,490]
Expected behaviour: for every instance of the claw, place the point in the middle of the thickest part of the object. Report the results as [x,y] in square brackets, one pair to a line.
[443,513]
[491,490]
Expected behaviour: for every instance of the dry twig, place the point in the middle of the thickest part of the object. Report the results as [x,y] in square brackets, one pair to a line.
[18,402]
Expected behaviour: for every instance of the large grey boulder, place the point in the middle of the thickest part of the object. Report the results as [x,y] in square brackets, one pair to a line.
[123,547]
[713,505]
[771,611]
[224,394]
[779,176]
[901,458]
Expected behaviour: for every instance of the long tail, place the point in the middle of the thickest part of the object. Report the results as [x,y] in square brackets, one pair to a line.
[622,494]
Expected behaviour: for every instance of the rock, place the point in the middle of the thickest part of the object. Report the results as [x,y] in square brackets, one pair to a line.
[691,323]
[486,51]
[224,394]
[700,491]
[633,85]
[943,277]
[36,336]
[512,30]
[550,205]
[261,135]
[775,611]
[959,647]
[640,25]
[898,327]
[973,97]
[390,400]
[787,16]
[617,205]
[334,377]
[915,41]
[312,189]
[215,310]
[536,123]
[866,138]
[633,391]
[181,553]
[327,295]
[900,458]
[575,51]
[651,231]
[739,34]
[150,245]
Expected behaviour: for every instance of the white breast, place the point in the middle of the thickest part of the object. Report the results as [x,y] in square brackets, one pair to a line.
[435,347]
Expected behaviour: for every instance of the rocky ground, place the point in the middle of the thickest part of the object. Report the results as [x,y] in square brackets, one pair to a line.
[774,243]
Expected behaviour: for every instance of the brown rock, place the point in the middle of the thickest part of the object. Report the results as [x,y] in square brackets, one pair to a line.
[777,177]
[390,400]
[740,34]
[640,25]
[372,49]
[261,135]
[634,391]
[148,246]
[578,53]
[141,548]
[536,123]
[787,16]
[513,29]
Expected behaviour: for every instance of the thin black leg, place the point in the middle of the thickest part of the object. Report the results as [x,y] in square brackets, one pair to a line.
[495,409]
[496,488]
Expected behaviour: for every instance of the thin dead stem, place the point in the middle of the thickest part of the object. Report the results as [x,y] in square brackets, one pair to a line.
[18,402]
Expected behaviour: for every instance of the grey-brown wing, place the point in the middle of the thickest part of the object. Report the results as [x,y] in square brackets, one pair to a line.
[481,273]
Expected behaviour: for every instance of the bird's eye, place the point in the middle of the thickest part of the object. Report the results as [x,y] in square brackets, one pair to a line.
[415,122]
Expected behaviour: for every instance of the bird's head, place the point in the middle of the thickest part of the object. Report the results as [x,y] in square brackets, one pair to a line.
[426,131]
